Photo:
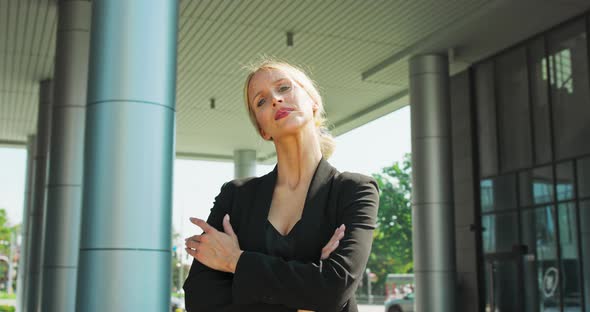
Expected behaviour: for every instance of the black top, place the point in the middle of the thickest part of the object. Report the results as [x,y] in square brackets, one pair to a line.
[279,245]
[297,278]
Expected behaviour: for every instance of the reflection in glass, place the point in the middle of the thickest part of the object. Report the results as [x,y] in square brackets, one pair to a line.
[568,66]
[583,166]
[486,118]
[513,110]
[540,269]
[498,193]
[487,195]
[500,232]
[502,285]
[539,101]
[536,186]
[585,237]
[570,263]
[565,181]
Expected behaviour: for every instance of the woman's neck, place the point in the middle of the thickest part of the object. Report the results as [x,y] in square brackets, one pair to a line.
[297,158]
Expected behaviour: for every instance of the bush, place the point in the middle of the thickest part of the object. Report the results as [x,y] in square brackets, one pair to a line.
[6,308]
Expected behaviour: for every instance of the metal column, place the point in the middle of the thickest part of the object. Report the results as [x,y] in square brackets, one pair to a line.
[244,163]
[432,184]
[125,247]
[37,214]
[64,189]
[23,260]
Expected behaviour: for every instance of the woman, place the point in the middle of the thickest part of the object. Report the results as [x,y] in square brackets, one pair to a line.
[269,243]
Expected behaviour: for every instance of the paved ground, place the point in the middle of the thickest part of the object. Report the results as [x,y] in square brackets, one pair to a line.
[362,307]
[371,308]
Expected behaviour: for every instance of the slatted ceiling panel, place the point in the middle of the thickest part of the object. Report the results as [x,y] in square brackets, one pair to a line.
[198,27]
[335,40]
[27,30]
[394,75]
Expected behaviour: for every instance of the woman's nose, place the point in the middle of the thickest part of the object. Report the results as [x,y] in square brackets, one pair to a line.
[276,99]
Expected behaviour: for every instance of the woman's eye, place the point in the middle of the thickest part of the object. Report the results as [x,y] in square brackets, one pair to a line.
[284,88]
[260,102]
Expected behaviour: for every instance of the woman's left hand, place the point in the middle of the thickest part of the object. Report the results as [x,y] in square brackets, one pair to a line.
[217,250]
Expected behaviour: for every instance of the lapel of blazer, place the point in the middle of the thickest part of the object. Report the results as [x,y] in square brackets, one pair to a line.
[318,192]
[259,213]
[313,209]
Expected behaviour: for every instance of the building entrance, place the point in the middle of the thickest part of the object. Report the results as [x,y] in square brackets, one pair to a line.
[503,272]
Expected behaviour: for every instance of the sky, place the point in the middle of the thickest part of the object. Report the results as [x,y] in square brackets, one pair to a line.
[366,149]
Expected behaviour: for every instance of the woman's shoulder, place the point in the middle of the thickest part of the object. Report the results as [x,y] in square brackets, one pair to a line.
[241,183]
[354,179]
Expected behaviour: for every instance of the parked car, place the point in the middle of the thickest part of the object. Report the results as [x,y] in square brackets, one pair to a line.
[177,304]
[404,304]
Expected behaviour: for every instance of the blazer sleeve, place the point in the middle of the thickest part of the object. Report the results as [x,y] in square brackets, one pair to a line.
[208,290]
[323,286]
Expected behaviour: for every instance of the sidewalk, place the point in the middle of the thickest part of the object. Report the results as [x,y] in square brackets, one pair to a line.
[371,308]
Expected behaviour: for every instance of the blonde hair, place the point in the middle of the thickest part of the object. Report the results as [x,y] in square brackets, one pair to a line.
[326,139]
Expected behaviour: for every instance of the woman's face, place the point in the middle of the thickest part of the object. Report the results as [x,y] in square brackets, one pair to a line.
[281,106]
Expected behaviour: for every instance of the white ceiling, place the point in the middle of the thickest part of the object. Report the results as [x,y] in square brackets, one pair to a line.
[335,40]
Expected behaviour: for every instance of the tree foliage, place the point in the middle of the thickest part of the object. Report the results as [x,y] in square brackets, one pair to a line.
[392,239]
[6,232]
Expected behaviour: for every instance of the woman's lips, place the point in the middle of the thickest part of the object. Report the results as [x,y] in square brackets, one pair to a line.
[282,113]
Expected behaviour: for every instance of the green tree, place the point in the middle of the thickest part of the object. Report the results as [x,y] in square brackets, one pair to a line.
[176,263]
[392,240]
[6,232]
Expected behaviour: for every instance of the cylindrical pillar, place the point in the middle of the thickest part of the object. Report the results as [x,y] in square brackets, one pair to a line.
[432,184]
[244,163]
[24,243]
[125,247]
[37,214]
[64,189]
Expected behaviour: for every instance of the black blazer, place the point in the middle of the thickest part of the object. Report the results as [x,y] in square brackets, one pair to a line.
[267,283]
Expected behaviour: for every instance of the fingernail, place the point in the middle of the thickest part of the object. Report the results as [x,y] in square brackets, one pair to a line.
[342,226]
[226,217]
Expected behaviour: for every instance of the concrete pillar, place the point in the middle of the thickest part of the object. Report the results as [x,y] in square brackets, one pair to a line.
[244,163]
[125,247]
[23,257]
[37,213]
[432,184]
[64,189]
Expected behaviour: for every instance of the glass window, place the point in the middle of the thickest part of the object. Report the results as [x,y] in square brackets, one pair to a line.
[500,232]
[487,195]
[570,262]
[585,237]
[486,119]
[539,101]
[498,193]
[564,181]
[540,268]
[513,110]
[568,77]
[536,186]
[583,166]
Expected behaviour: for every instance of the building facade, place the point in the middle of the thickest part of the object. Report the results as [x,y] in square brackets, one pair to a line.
[521,160]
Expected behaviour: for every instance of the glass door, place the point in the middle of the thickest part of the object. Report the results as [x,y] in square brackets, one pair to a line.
[503,282]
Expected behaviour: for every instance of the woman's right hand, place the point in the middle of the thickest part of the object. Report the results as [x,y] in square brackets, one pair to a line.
[333,242]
